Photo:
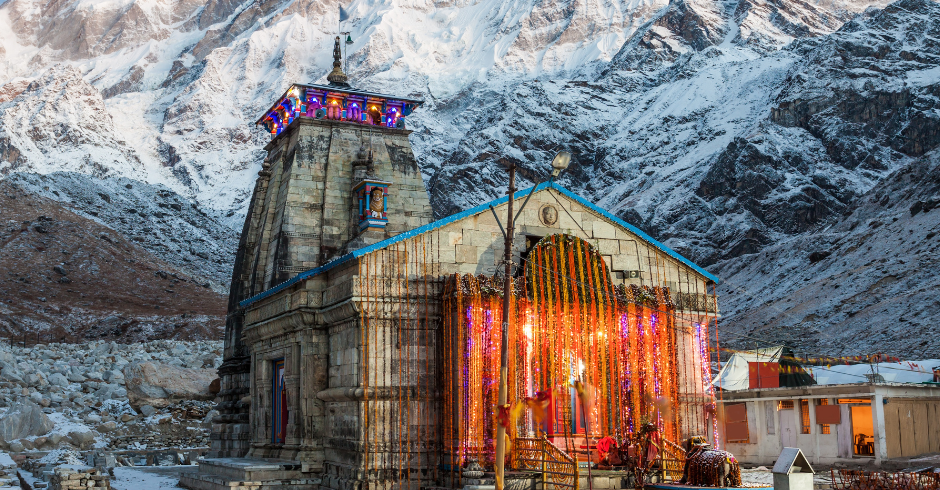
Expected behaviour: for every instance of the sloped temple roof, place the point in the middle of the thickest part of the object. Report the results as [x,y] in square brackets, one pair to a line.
[482,208]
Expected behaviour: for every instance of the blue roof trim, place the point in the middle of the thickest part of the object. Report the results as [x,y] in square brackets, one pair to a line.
[459,216]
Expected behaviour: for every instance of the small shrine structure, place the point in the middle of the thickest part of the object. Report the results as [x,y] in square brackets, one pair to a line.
[362,336]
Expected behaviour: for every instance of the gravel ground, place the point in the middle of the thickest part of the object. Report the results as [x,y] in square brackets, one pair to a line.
[149,477]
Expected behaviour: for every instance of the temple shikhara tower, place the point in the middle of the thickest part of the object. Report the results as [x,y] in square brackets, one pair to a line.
[362,345]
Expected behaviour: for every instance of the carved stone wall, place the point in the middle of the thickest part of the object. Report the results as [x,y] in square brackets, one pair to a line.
[300,217]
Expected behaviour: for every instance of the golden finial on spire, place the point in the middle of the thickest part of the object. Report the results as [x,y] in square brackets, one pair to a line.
[337,77]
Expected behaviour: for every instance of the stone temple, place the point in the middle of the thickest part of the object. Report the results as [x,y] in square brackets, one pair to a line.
[362,336]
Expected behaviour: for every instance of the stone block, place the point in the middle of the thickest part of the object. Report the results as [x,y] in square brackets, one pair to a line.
[603,229]
[467,254]
[608,247]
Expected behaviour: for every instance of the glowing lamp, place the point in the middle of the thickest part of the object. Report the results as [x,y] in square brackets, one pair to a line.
[560,163]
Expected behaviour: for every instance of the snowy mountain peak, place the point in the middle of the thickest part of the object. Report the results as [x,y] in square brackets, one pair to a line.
[720,126]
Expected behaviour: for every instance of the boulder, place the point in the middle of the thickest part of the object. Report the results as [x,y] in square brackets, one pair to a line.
[24,419]
[107,427]
[57,379]
[82,439]
[35,380]
[104,391]
[147,410]
[11,374]
[159,385]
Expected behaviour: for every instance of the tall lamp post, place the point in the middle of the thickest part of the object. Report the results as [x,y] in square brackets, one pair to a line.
[559,164]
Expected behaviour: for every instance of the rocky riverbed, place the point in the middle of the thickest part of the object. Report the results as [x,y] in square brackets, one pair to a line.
[107,396]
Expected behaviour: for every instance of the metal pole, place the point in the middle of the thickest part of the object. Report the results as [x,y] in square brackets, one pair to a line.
[587,437]
[503,341]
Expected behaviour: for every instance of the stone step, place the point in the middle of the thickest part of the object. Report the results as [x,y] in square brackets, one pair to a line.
[211,482]
[251,470]
[478,481]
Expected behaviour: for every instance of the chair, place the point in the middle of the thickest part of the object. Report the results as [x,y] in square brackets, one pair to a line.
[860,445]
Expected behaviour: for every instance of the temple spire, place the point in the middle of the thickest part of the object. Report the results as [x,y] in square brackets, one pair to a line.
[337,77]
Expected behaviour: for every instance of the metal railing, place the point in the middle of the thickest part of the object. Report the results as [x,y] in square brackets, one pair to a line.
[694,302]
[883,480]
[671,460]
[557,467]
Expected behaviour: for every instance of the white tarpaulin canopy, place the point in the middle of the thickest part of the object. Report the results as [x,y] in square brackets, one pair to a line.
[733,375]
[890,372]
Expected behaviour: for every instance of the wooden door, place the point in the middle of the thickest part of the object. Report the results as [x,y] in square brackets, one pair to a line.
[788,427]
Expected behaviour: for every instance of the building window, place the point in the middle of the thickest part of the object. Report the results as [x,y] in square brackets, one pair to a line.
[804,417]
[736,423]
[825,427]
[771,415]
[850,401]
[785,405]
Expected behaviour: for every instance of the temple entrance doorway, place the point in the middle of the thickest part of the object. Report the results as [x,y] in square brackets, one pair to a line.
[585,359]
[279,403]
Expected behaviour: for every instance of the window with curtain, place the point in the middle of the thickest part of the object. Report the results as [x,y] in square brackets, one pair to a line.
[771,415]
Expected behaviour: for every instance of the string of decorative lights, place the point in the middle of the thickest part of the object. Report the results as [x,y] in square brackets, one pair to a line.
[575,311]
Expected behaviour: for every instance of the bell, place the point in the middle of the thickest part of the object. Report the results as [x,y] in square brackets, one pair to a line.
[349,39]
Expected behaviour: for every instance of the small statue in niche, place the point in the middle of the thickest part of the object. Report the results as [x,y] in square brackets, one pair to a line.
[377,202]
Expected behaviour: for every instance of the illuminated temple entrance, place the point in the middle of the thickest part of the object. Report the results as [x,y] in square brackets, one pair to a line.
[639,360]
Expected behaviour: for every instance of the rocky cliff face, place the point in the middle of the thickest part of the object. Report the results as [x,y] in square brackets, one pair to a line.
[863,284]
[68,278]
[721,127]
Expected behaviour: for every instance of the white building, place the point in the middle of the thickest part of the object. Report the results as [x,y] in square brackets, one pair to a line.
[897,415]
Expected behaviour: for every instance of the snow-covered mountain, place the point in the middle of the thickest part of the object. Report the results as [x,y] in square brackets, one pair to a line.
[724,128]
